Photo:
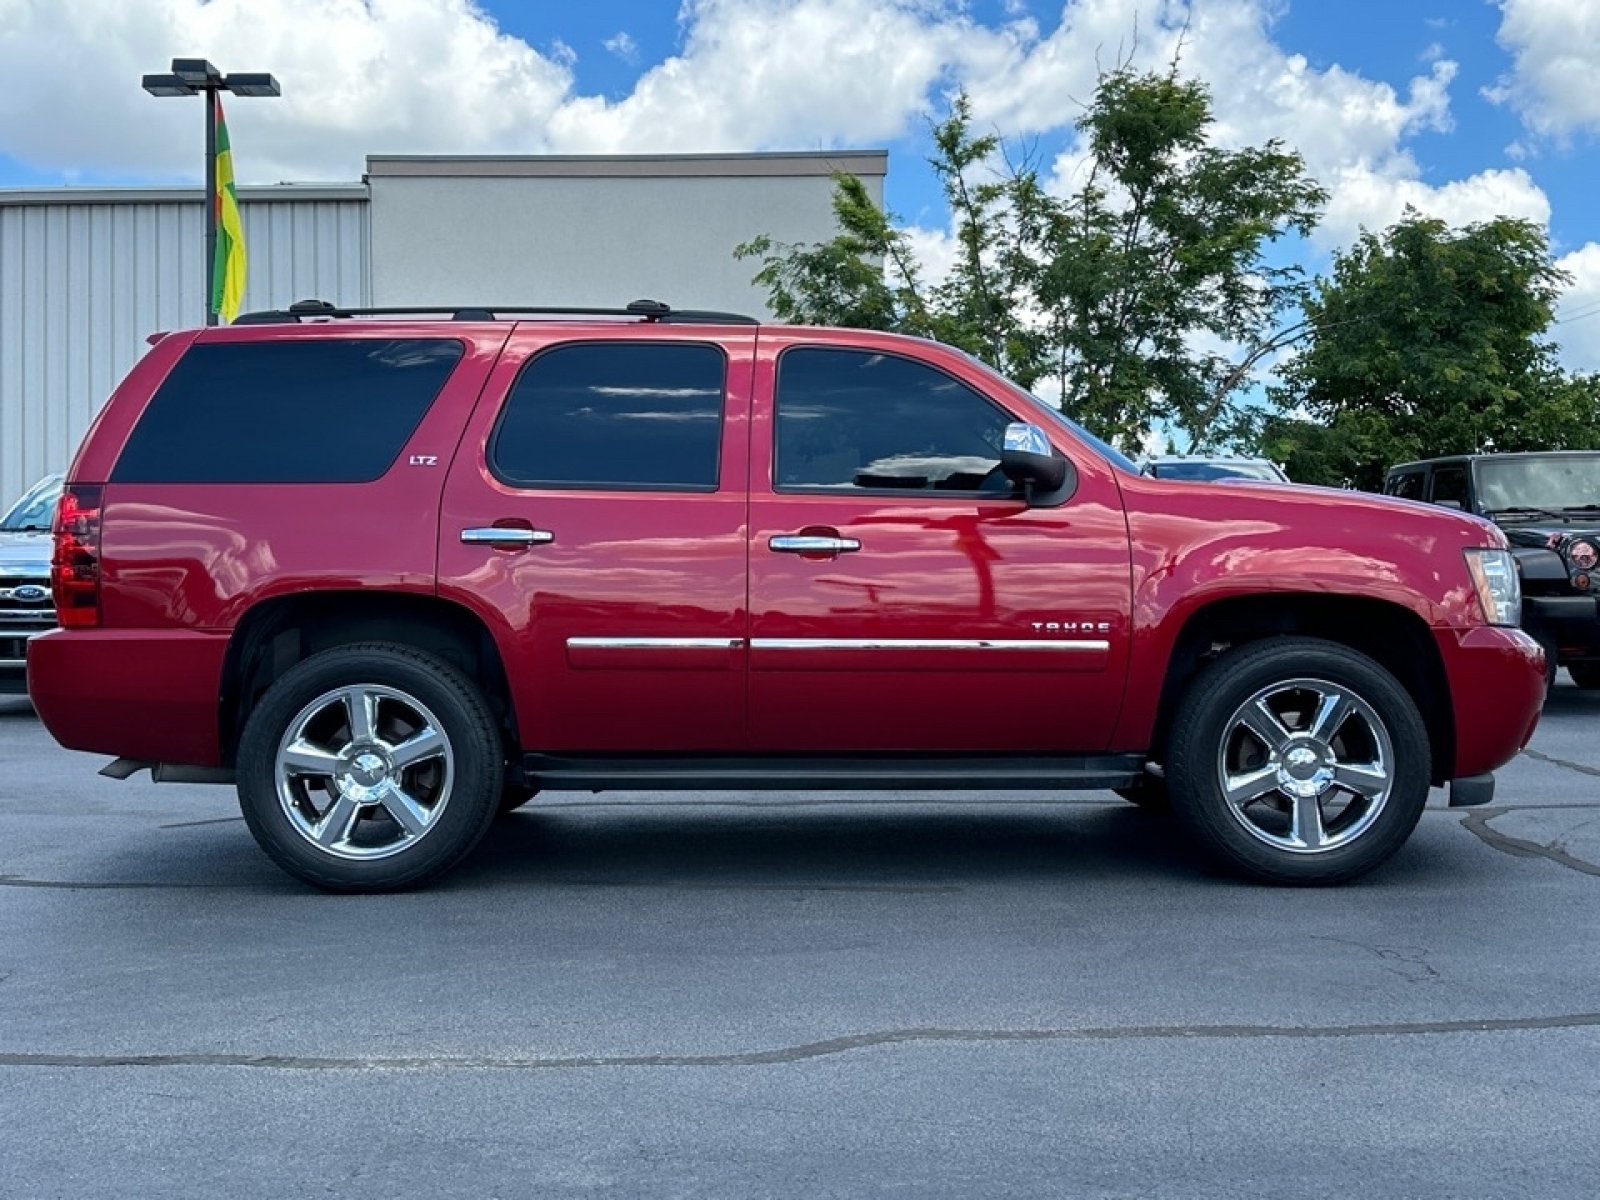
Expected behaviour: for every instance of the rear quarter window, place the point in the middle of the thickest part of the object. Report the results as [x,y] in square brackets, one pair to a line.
[334,410]
[1405,484]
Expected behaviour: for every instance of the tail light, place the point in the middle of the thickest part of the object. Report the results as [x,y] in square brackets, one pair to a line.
[75,565]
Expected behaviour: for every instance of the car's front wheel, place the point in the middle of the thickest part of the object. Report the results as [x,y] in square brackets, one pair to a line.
[370,768]
[1298,761]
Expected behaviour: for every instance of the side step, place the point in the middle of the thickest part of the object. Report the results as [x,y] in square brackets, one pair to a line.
[841,773]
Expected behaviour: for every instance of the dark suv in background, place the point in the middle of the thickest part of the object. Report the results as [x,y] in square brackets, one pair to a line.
[1548,503]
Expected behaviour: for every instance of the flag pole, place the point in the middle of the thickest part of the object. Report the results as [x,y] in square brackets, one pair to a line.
[211,202]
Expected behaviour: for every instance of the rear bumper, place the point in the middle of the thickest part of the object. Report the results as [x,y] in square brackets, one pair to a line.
[144,694]
[1497,690]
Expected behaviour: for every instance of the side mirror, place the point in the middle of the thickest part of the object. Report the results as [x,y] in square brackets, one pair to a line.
[1027,460]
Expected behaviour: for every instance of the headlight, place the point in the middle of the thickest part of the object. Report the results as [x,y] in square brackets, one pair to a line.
[1499,587]
[1583,555]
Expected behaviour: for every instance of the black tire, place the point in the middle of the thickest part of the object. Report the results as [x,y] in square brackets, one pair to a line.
[1585,674]
[1333,832]
[389,799]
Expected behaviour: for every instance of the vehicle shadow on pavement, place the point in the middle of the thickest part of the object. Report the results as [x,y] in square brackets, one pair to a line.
[828,846]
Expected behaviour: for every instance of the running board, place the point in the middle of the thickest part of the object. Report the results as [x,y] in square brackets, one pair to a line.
[830,773]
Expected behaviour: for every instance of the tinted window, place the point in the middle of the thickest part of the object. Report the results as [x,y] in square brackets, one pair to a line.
[857,419]
[293,411]
[1408,486]
[1449,483]
[608,415]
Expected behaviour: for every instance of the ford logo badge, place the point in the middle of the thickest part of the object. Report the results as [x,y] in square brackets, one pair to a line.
[29,593]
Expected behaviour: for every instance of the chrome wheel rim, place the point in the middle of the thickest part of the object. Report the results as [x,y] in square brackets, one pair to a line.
[364,772]
[1305,766]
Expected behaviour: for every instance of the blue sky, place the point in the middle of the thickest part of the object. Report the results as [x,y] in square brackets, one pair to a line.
[1461,108]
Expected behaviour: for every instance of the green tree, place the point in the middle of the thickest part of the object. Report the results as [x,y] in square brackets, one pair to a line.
[1106,291]
[1430,340]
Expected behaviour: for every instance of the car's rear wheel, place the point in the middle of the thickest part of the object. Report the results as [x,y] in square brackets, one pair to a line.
[370,768]
[1298,761]
[1585,674]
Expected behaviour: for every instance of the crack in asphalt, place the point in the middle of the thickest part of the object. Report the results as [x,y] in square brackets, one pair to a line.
[1478,823]
[1581,768]
[811,1050]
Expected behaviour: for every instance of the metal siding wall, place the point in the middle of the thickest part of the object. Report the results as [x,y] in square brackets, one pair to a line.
[82,285]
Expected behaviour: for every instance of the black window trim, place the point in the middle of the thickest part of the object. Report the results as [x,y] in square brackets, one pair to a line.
[539,485]
[923,494]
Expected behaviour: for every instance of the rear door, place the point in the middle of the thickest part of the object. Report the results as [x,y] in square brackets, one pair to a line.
[595,517]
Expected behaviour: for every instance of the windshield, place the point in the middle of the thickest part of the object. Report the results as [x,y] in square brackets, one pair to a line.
[1216,470]
[35,508]
[1112,455]
[1546,483]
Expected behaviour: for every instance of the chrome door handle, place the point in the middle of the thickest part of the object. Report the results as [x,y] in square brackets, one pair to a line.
[502,535]
[805,543]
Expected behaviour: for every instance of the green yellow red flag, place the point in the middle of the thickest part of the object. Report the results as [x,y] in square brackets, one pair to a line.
[228,267]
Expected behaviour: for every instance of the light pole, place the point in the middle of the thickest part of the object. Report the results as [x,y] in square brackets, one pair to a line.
[194,77]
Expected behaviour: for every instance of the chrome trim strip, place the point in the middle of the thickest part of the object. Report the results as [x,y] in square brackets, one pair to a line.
[13,662]
[1075,645]
[653,643]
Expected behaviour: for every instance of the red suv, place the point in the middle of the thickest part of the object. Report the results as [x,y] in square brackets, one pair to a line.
[394,573]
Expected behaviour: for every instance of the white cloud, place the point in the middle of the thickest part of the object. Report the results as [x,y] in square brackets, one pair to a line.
[389,76]
[438,76]
[1555,45]
[1578,332]
[1350,130]
[623,46]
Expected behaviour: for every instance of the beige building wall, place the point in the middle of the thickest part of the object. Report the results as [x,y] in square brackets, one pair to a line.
[595,231]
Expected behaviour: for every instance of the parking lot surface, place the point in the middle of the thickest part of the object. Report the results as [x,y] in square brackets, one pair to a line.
[921,995]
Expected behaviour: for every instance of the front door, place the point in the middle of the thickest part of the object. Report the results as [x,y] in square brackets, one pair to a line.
[596,521]
[902,597]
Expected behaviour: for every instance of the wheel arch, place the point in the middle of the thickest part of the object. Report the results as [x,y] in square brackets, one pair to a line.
[1394,637]
[279,632]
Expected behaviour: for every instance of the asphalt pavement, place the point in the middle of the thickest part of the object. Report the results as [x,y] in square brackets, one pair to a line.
[800,995]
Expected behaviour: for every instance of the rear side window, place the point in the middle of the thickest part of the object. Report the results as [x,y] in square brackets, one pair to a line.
[1449,483]
[1407,485]
[301,411]
[614,416]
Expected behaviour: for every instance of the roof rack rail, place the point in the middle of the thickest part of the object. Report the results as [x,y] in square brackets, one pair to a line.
[650,311]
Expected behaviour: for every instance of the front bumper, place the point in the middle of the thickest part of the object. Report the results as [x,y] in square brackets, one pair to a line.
[14,642]
[1570,623]
[1497,690]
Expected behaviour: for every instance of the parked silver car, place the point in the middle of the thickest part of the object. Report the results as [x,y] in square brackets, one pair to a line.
[26,607]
